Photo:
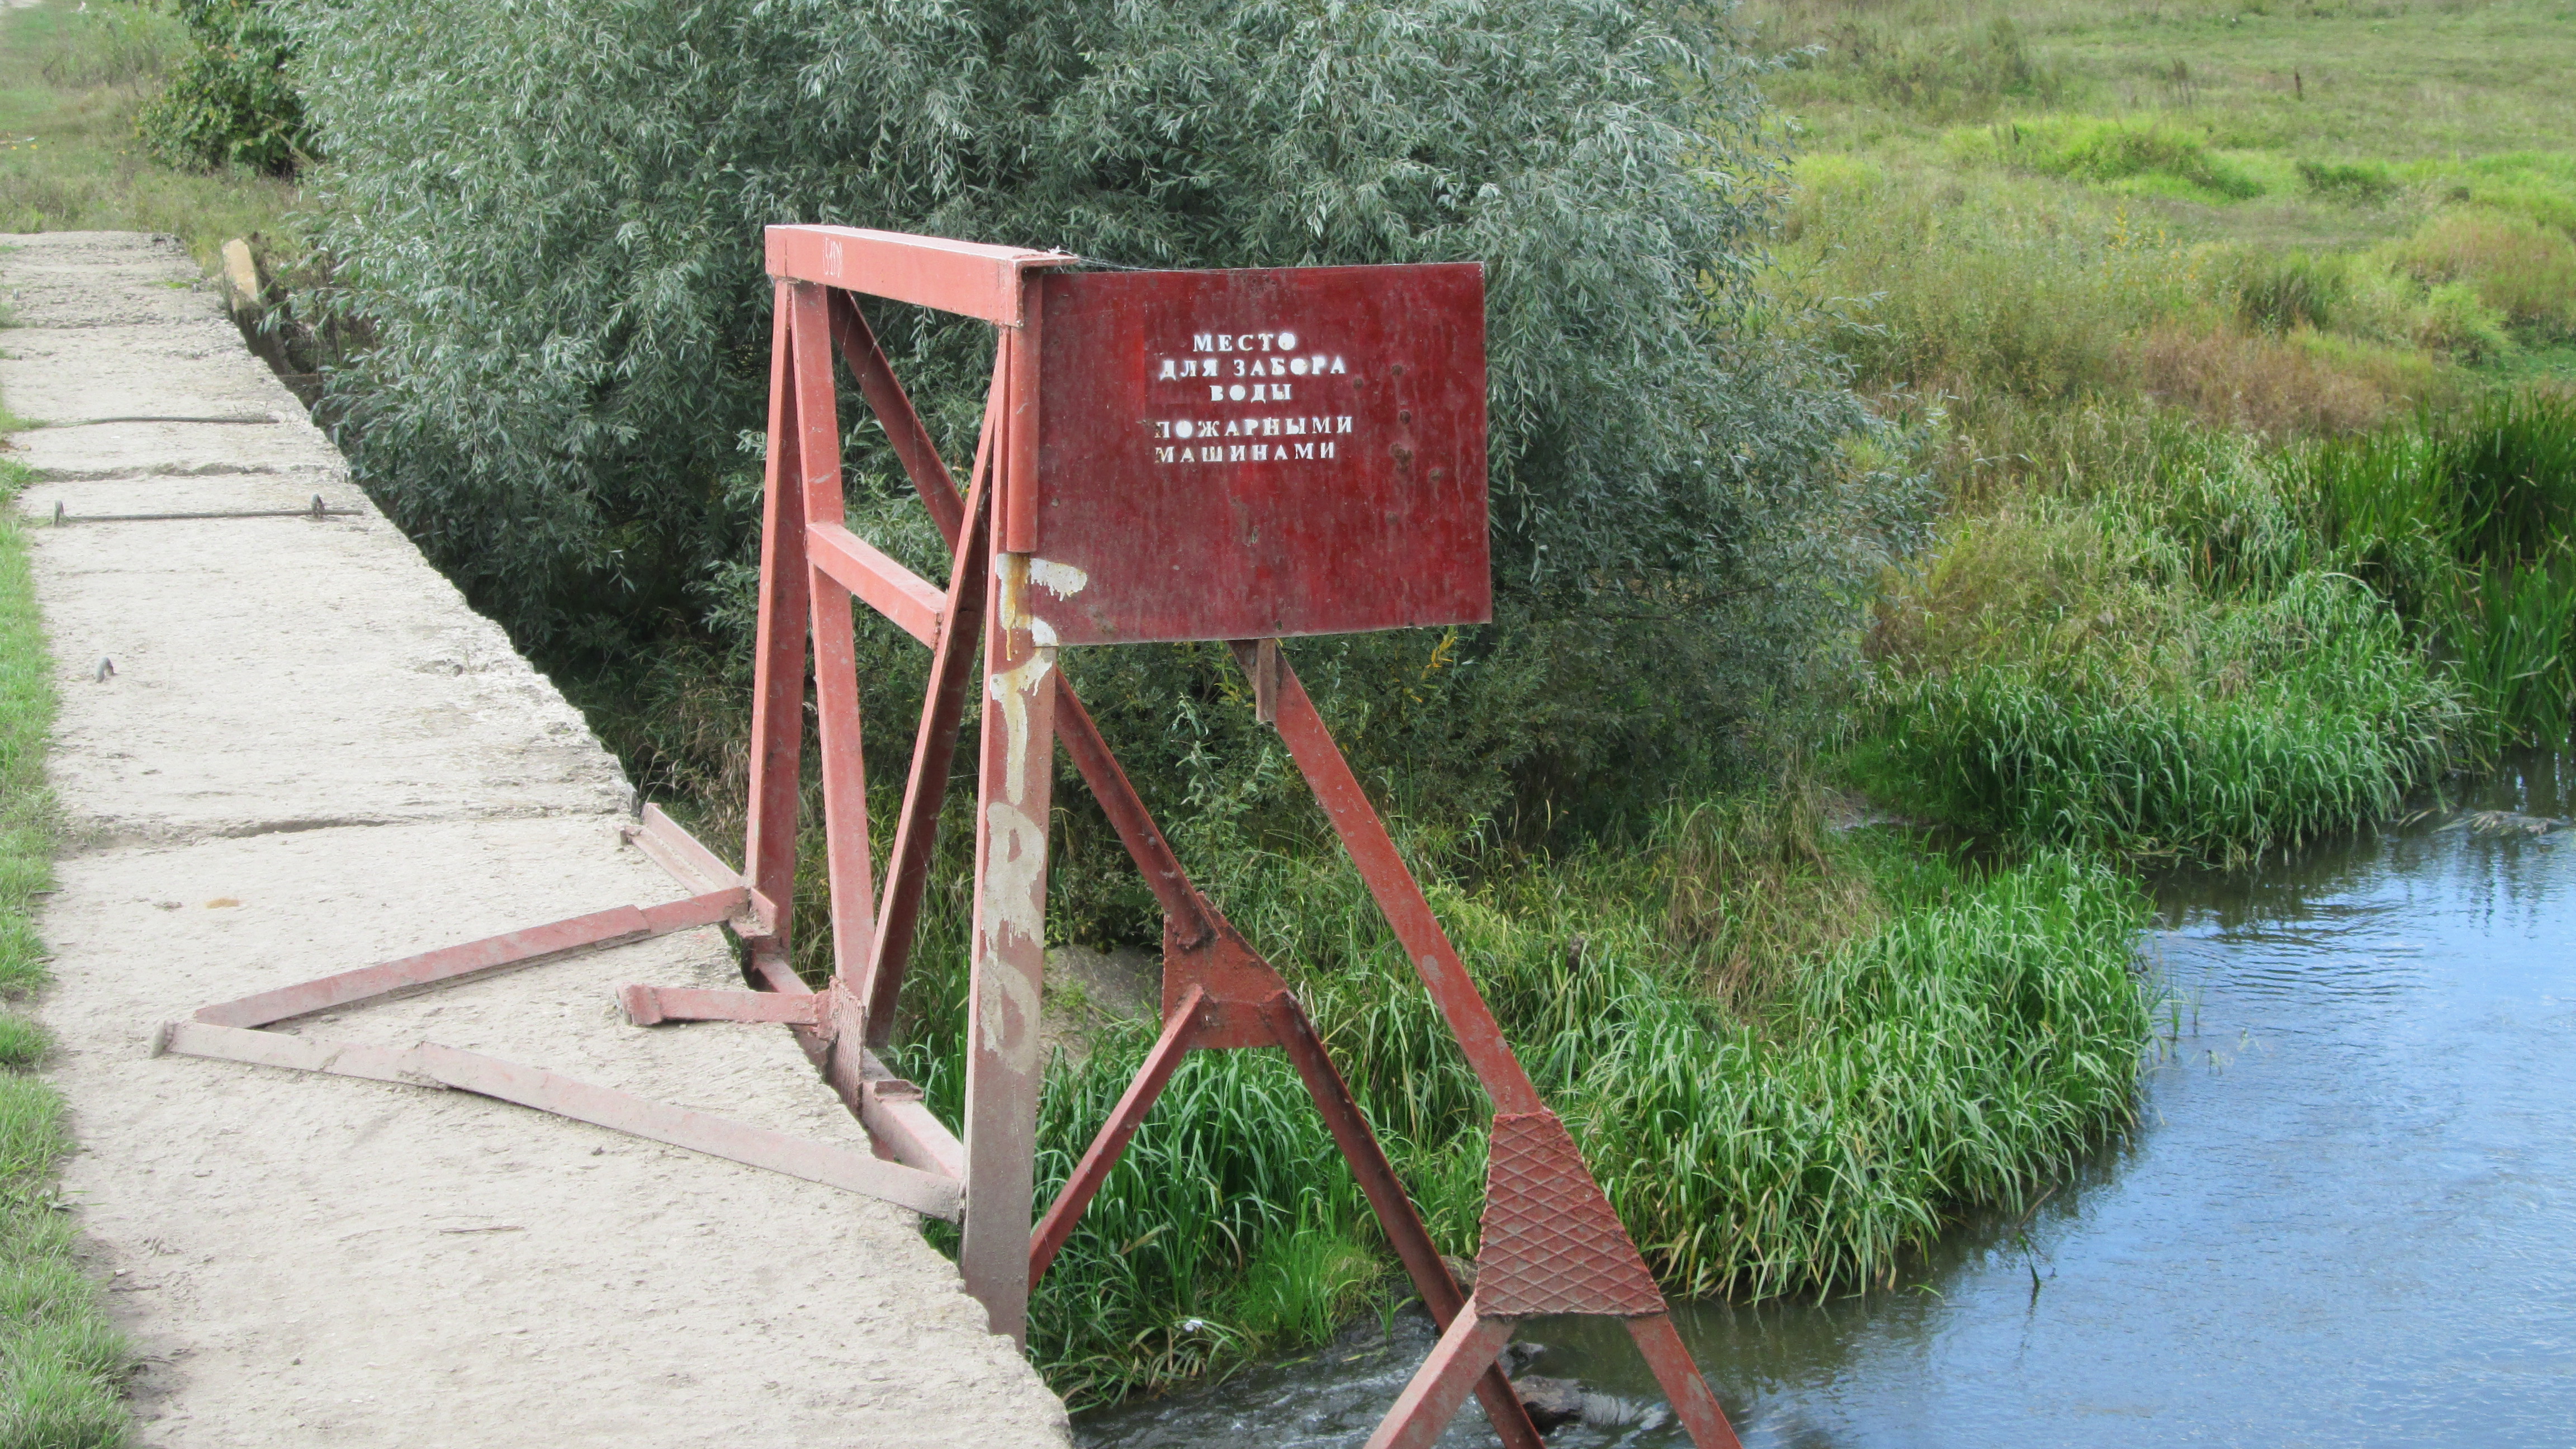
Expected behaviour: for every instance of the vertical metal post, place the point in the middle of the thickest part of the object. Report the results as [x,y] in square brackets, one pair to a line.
[836,682]
[778,661]
[1009,967]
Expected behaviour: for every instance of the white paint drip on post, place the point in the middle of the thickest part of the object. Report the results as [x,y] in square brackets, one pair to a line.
[1002,1066]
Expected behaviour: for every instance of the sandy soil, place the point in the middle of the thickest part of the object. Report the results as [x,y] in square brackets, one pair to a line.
[308,754]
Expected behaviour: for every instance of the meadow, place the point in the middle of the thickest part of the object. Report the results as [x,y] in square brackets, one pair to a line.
[2241,340]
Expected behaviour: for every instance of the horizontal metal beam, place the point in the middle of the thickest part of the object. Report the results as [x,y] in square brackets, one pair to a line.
[883,584]
[429,1064]
[953,276]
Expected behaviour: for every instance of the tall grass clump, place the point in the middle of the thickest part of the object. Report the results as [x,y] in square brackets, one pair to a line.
[2464,518]
[1945,1036]
[2164,669]
[60,1362]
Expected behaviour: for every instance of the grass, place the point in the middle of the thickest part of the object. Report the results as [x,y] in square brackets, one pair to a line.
[2199,311]
[61,1364]
[1790,1057]
[72,76]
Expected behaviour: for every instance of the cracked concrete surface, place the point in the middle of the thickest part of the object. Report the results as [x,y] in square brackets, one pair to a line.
[309,754]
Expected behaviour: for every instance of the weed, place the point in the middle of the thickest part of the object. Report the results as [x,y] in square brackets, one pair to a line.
[2521,268]
[60,1362]
[2362,182]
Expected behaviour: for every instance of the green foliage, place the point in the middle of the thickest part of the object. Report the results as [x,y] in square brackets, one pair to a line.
[60,1362]
[2153,157]
[1961,1038]
[570,314]
[2464,519]
[232,102]
[2523,269]
[2269,725]
[2362,182]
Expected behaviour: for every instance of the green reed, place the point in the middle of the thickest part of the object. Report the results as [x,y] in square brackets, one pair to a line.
[1971,1034]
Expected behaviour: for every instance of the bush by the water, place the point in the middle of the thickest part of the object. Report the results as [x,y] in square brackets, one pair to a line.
[570,325]
[231,102]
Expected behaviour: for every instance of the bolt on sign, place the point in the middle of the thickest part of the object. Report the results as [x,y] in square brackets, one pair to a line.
[1245,456]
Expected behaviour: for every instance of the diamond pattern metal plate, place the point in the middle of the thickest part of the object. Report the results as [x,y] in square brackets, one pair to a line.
[1551,1242]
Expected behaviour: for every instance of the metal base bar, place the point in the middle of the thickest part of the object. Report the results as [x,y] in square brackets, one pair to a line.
[1692,1400]
[429,1064]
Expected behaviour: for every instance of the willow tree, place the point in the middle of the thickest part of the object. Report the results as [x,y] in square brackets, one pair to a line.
[547,214]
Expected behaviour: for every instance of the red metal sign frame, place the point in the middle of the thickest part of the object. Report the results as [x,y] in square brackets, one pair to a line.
[1551,1243]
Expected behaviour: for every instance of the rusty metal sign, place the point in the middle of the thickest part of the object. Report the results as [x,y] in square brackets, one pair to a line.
[1261,454]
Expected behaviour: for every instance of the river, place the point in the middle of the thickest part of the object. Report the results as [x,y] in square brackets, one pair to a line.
[2347,1215]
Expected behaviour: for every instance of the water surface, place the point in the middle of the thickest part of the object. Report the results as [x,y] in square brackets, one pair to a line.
[2347,1217]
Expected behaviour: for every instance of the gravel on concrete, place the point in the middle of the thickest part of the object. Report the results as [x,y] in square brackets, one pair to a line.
[308,754]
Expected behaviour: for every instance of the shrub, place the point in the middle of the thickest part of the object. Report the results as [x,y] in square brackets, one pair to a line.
[2363,182]
[2517,266]
[2150,156]
[2272,385]
[571,332]
[2237,730]
[232,103]
[1986,282]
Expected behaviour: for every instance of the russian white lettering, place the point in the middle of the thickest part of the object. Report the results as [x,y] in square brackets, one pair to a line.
[1234,392]
[1338,369]
[1296,365]
[1296,427]
[1304,450]
[1346,424]
[1243,343]
[1261,452]
[1168,370]
[1326,450]
[1287,341]
[1216,392]
[1279,391]
[1164,430]
[1225,342]
[1162,455]
[1202,342]
[1234,453]
[1270,427]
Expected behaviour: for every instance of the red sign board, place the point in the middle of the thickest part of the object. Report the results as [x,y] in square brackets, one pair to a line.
[1261,453]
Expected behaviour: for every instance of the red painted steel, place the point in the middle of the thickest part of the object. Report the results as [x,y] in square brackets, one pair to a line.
[429,1064]
[1009,951]
[953,276]
[1551,1243]
[1431,1400]
[673,849]
[778,651]
[1693,1401]
[1395,1213]
[510,948]
[883,584]
[1345,411]
[852,895]
[1399,896]
[1124,1119]
[934,746]
[650,1005]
